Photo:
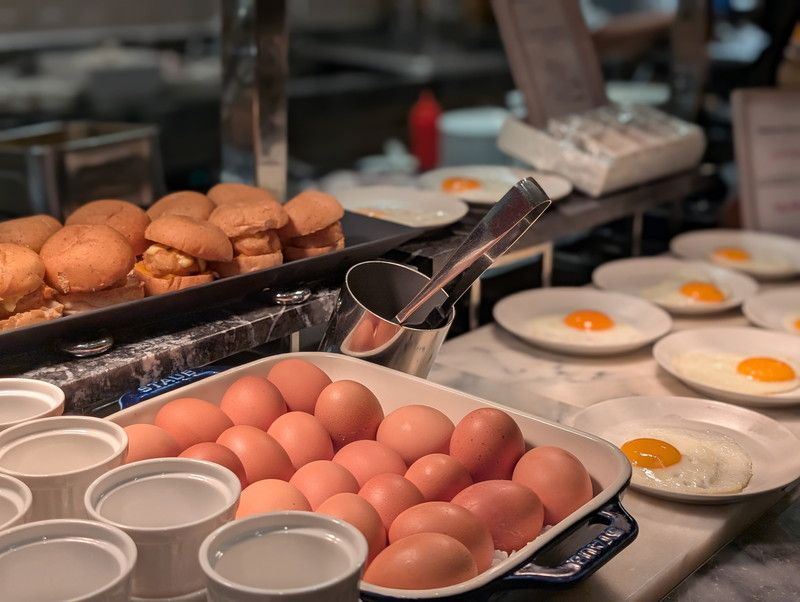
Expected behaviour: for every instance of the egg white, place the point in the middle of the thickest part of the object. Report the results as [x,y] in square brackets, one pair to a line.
[711,462]
[760,263]
[551,327]
[668,293]
[716,369]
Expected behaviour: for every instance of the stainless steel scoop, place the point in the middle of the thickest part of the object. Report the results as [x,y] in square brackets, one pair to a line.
[508,219]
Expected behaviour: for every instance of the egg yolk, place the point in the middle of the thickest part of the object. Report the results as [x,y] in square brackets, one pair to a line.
[797,324]
[588,319]
[458,184]
[650,453]
[765,369]
[702,291]
[732,254]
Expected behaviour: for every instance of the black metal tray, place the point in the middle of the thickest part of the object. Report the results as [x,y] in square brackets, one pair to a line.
[366,238]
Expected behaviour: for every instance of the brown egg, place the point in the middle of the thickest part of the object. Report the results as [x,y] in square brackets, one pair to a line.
[558,478]
[512,512]
[254,401]
[147,441]
[300,382]
[358,512]
[366,459]
[416,430]
[488,443]
[270,495]
[439,477]
[322,479]
[303,437]
[349,412]
[218,454]
[422,561]
[450,519]
[390,494]
[261,456]
[192,421]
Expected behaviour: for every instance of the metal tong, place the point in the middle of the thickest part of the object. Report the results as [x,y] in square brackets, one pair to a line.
[500,228]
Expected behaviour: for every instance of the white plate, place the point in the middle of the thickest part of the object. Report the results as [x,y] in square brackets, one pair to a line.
[773,309]
[403,205]
[496,180]
[773,449]
[701,244]
[634,276]
[741,340]
[515,311]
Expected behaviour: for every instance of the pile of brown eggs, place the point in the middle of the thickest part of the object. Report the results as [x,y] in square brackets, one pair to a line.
[434,500]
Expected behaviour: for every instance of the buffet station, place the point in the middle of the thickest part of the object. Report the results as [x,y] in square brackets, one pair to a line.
[243,393]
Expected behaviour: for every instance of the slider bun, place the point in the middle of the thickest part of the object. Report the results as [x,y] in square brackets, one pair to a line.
[241,219]
[309,212]
[233,192]
[293,253]
[126,218]
[73,303]
[86,258]
[33,316]
[243,264]
[30,231]
[326,237]
[184,202]
[191,236]
[157,286]
[21,271]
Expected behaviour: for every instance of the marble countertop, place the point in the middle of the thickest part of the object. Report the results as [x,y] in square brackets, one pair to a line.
[675,539]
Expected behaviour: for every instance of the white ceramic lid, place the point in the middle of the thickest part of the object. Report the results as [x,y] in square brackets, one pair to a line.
[181,493]
[15,500]
[350,543]
[59,445]
[23,399]
[57,560]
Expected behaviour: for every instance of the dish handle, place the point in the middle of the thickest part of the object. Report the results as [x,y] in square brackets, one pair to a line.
[619,531]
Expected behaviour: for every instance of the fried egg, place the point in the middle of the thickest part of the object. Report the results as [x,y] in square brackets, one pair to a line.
[475,188]
[792,322]
[677,459]
[685,292]
[458,184]
[751,261]
[583,326]
[754,375]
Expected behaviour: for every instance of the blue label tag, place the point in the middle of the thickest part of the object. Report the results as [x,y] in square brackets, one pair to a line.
[162,385]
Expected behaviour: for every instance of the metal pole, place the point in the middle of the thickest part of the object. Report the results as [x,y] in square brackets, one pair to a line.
[255,70]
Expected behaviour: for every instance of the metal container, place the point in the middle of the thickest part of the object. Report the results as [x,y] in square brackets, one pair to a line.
[54,167]
[362,324]
[562,555]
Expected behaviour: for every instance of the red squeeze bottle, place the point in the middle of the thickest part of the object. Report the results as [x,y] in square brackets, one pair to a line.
[424,136]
